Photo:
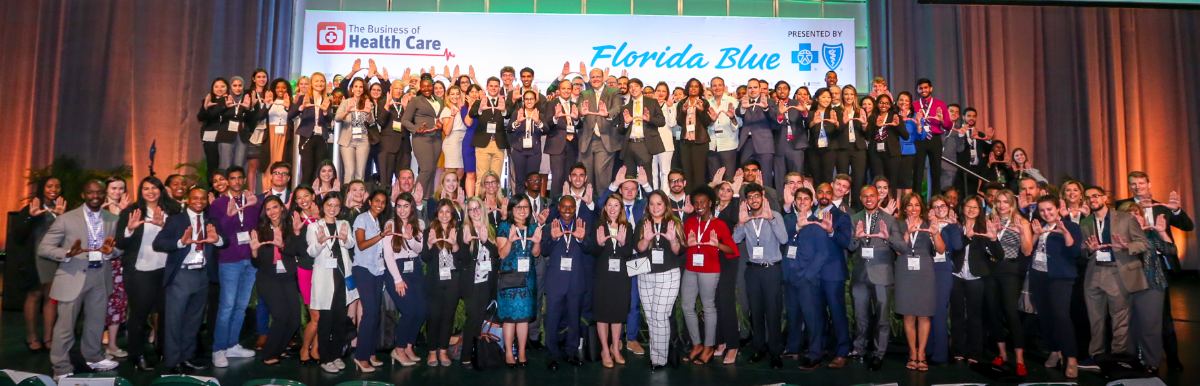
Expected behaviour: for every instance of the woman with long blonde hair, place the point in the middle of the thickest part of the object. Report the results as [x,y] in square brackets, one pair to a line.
[313,108]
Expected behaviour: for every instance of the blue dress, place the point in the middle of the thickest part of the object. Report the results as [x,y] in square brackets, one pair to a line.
[468,144]
[515,305]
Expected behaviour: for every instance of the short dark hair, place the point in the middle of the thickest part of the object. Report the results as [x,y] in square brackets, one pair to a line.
[233,169]
[527,69]
[969,109]
[924,81]
[578,165]
[1048,198]
[507,70]
[636,80]
[752,162]
[491,79]
[752,188]
[1096,188]
[706,191]
[280,164]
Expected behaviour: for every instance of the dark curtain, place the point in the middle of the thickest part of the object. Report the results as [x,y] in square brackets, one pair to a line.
[1090,93]
[101,80]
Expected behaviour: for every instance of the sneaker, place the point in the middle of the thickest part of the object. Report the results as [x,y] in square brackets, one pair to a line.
[237,351]
[219,359]
[103,365]
[118,353]
[1088,364]
[339,363]
[330,367]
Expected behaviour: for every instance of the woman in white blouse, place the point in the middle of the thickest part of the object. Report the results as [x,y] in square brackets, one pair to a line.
[329,243]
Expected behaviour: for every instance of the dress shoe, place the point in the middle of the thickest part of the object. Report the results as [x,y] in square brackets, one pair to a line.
[808,364]
[776,362]
[758,356]
[875,364]
[552,365]
[574,362]
[193,365]
[837,363]
[143,365]
[179,369]
[636,348]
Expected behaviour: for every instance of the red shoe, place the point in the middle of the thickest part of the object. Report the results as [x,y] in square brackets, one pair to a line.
[999,361]
[1021,372]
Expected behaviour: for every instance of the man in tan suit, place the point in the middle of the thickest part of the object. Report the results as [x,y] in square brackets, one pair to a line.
[1114,242]
[81,241]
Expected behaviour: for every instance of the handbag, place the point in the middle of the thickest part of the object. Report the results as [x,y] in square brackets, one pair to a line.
[256,138]
[488,353]
[637,266]
[511,279]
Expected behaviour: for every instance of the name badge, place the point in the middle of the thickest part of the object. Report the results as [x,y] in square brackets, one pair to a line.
[330,263]
[444,273]
[868,253]
[279,129]
[614,265]
[527,142]
[396,126]
[317,129]
[570,127]
[279,268]
[879,146]
[195,257]
[95,256]
[1104,256]
[698,259]
[791,252]
[564,264]
[491,128]
[523,265]
[914,263]
[656,256]
[691,127]
[208,136]
[756,253]
[822,142]
[483,266]
[356,130]
[243,238]
[234,126]
[939,258]
[1039,262]
[408,267]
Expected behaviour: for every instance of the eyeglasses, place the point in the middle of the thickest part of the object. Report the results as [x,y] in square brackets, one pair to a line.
[939,207]
[676,181]
[526,207]
[279,173]
[1095,196]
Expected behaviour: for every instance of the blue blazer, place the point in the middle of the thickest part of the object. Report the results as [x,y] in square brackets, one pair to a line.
[1061,259]
[167,242]
[826,258]
[952,236]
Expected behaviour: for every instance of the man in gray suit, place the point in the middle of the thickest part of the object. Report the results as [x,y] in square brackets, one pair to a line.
[877,240]
[599,140]
[1114,242]
[81,241]
[642,118]
[953,142]
[420,118]
[756,138]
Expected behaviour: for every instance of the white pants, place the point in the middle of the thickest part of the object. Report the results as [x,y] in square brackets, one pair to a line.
[658,292]
[354,160]
[661,169]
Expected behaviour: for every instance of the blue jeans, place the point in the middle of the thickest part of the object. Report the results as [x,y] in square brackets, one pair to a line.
[237,281]
[370,292]
[634,319]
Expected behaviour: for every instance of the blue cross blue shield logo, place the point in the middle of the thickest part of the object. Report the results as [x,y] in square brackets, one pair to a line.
[832,53]
[805,57]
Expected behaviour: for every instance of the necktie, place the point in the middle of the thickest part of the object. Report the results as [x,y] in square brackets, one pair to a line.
[870,223]
[200,232]
[629,213]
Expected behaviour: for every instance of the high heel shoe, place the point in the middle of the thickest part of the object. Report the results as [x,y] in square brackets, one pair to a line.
[730,356]
[705,355]
[398,356]
[1021,370]
[1053,360]
[696,350]
[364,368]
[1072,371]
[606,360]
[616,356]
[375,362]
[432,361]
[999,361]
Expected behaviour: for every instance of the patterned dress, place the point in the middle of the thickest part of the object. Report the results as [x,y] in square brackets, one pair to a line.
[515,305]
[117,302]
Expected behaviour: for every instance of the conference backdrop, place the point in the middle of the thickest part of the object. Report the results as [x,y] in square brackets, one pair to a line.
[799,51]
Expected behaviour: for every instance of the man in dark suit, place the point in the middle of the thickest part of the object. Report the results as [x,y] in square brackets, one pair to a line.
[82,242]
[395,148]
[973,154]
[490,139]
[756,139]
[642,118]
[514,95]
[877,240]
[828,292]
[599,140]
[420,118]
[190,240]
[561,134]
[1172,213]
[789,151]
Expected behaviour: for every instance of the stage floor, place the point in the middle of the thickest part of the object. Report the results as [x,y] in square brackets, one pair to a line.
[1185,298]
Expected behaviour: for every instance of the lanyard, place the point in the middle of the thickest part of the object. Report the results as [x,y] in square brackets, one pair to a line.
[612,233]
[237,204]
[95,228]
[657,230]
[1100,227]
[567,235]
[524,239]
[757,226]
[704,229]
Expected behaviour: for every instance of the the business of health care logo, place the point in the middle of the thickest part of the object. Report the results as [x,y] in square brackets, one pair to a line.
[804,56]
[335,37]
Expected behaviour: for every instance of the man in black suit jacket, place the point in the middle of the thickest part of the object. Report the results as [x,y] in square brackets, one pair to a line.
[490,139]
[642,118]
[561,143]
[190,240]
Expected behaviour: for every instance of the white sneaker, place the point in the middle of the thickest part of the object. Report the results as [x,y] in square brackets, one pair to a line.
[330,367]
[219,359]
[237,351]
[339,363]
[103,365]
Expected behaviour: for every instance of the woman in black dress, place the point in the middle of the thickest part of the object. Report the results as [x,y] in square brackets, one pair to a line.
[612,246]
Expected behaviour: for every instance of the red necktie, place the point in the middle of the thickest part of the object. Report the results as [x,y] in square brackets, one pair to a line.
[200,225]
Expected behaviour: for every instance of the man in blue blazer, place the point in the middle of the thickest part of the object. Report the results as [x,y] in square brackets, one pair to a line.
[827,290]
[190,240]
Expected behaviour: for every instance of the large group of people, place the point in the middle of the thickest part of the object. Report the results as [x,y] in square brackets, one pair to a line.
[606,205]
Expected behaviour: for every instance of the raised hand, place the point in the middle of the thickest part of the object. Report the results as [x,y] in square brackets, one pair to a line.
[35,207]
[827,222]
[859,231]
[670,231]
[187,236]
[642,179]
[647,232]
[580,231]
[60,206]
[1173,201]
[76,249]
[322,235]
[718,175]
[135,220]
[884,233]
[556,229]
[418,194]
[1160,223]
[211,232]
[692,240]
[297,223]
[254,243]
[713,241]
[107,247]
[277,239]
[343,232]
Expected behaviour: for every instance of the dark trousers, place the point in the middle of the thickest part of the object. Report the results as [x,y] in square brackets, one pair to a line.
[1052,298]
[212,157]
[720,159]
[563,306]
[928,150]
[284,295]
[824,162]
[939,334]
[388,162]
[766,161]
[878,162]
[522,162]
[635,155]
[787,160]
[333,324]
[855,165]
[820,296]
[476,300]
[312,152]
[793,301]
[1005,320]
[185,299]
[370,299]
[727,315]
[145,297]
[560,167]
[966,317]
[692,160]
[763,287]
[413,306]
[443,301]
[372,164]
